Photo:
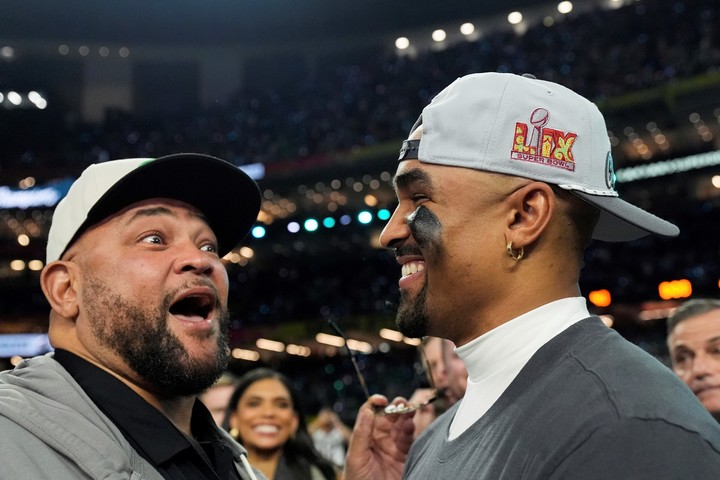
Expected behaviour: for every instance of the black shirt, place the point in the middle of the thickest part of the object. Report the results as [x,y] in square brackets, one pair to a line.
[175,455]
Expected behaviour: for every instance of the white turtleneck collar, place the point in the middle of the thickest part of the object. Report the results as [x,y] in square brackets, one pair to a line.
[494,359]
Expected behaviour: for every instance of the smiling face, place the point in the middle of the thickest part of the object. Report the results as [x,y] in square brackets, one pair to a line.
[152,297]
[448,235]
[694,346]
[265,416]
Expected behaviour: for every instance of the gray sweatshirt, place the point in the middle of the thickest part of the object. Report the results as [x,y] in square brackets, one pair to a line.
[49,428]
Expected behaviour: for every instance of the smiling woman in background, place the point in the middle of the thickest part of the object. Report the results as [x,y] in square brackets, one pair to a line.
[265,416]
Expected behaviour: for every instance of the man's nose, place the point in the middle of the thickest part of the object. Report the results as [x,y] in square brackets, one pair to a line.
[395,231]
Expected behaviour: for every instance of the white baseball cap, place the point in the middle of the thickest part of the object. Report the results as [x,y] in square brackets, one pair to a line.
[522,126]
[228,198]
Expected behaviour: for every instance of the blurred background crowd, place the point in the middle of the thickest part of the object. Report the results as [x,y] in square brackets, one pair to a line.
[319,124]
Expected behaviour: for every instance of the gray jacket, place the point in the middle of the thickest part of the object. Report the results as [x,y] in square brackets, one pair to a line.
[49,428]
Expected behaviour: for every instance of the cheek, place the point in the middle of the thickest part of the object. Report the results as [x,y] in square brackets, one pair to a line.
[243,419]
[426,228]
[222,281]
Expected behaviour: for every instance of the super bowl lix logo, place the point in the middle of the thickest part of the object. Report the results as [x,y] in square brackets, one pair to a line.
[547,146]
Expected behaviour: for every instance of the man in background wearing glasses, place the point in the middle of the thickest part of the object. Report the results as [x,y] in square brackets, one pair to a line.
[502,183]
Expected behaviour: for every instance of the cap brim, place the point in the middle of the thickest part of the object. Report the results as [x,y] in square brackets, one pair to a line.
[621,221]
[228,198]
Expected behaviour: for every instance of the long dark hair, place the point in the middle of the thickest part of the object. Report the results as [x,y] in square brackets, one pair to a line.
[299,451]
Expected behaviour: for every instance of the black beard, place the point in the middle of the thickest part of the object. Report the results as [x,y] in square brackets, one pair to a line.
[142,338]
[411,317]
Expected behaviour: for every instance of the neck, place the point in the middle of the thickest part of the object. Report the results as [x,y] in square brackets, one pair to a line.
[177,410]
[506,310]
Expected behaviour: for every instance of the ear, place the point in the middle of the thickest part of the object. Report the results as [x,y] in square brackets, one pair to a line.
[531,208]
[58,282]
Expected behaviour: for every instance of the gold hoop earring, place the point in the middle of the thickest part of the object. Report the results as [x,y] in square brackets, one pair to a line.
[235,433]
[517,257]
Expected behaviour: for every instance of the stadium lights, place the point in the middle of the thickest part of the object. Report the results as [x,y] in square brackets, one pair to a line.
[467,28]
[258,231]
[359,346]
[402,43]
[332,340]
[35,265]
[565,7]
[600,298]
[242,354]
[657,169]
[439,35]
[17,265]
[272,345]
[298,350]
[311,225]
[392,335]
[15,99]
[675,289]
[364,217]
[514,18]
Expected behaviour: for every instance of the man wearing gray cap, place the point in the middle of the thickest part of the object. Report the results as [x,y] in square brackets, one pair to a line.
[502,183]
[138,321]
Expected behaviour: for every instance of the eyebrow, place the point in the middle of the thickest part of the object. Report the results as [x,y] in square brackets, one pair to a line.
[158,211]
[415,175]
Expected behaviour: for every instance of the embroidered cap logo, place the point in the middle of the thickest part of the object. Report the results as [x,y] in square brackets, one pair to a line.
[547,146]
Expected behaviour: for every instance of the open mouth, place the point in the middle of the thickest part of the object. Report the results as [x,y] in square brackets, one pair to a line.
[266,429]
[194,308]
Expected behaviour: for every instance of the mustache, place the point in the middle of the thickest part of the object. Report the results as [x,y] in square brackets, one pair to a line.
[407,250]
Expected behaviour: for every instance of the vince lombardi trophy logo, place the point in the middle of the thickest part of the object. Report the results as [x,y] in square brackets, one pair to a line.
[538,118]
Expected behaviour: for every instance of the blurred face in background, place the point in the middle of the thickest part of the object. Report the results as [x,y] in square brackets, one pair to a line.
[455,371]
[265,417]
[694,346]
[435,362]
[216,399]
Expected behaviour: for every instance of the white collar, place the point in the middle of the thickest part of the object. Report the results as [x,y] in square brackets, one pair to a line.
[494,359]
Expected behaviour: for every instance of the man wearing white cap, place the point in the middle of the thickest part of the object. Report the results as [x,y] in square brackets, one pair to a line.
[138,321]
[502,183]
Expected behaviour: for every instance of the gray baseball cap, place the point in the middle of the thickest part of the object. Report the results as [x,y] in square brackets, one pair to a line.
[522,126]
